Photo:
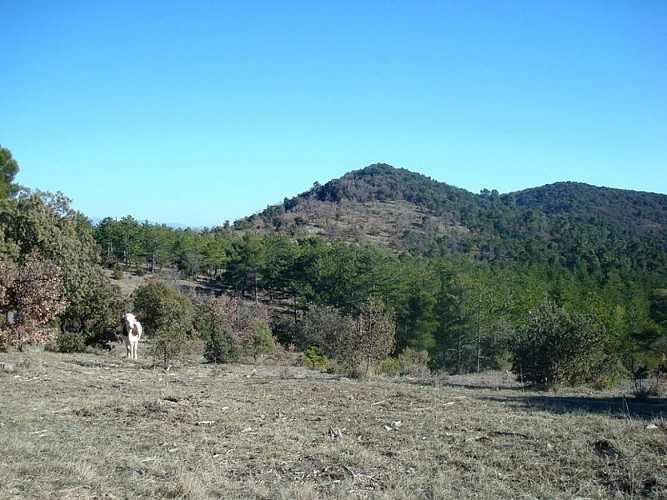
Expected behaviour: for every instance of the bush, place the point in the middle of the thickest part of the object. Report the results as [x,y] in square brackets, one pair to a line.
[390,367]
[313,358]
[117,272]
[553,348]
[222,347]
[409,362]
[234,328]
[31,295]
[368,339]
[167,317]
[70,342]
[414,363]
[262,342]
[320,326]
[645,388]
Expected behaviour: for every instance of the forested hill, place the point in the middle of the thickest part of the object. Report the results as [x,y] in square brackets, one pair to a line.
[640,212]
[568,223]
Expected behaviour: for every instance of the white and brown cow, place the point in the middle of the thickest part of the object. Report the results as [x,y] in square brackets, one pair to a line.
[131,334]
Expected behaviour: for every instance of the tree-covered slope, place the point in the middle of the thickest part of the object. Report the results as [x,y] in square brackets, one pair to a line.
[639,212]
[466,275]
[568,224]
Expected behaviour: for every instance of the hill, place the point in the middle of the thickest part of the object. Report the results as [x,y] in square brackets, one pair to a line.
[464,274]
[639,212]
[409,212]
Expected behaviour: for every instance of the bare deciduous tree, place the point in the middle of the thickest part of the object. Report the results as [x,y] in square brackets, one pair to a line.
[370,338]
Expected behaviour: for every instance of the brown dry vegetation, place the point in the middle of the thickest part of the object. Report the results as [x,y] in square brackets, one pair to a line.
[378,222]
[100,426]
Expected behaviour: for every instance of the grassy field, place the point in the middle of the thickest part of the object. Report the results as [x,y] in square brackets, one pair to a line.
[100,426]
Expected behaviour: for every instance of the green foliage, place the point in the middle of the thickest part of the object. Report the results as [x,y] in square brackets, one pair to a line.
[70,342]
[117,272]
[98,306]
[313,358]
[320,327]
[234,328]
[9,167]
[167,316]
[554,347]
[246,262]
[255,332]
[222,347]
[44,224]
[414,363]
[390,367]
[658,307]
[409,363]
[422,322]
[641,342]
[462,273]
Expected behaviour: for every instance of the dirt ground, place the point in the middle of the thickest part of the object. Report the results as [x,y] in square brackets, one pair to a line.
[131,281]
[99,426]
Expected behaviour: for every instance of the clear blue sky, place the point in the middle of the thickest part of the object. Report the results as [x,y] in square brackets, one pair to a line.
[204,111]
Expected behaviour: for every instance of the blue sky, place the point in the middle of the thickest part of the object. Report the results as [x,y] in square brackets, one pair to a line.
[198,112]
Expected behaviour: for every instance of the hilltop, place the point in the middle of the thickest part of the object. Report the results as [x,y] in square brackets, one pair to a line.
[410,212]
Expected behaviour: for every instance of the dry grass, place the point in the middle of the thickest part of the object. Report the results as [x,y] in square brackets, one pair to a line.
[99,426]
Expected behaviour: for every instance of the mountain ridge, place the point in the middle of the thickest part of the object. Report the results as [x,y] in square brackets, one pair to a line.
[410,212]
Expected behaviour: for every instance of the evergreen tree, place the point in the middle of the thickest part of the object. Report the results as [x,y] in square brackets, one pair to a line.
[9,167]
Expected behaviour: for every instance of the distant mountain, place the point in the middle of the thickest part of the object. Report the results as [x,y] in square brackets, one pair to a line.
[564,223]
[640,212]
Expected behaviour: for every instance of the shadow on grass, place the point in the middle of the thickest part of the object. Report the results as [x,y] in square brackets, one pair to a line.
[615,406]
[483,387]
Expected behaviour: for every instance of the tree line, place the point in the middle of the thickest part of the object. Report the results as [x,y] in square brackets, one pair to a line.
[466,314]
[363,306]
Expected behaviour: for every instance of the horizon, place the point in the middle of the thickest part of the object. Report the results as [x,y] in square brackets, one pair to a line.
[201,113]
[178,225]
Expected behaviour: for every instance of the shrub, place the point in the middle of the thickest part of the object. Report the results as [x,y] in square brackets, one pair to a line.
[253,330]
[313,358]
[553,347]
[321,326]
[222,347]
[265,343]
[409,362]
[234,329]
[117,272]
[414,363]
[31,295]
[167,316]
[369,338]
[390,367]
[70,342]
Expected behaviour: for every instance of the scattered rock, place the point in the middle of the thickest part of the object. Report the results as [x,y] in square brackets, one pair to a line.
[335,433]
[6,367]
[605,449]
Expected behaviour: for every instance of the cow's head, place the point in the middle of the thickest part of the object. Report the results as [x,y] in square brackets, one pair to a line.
[128,321]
